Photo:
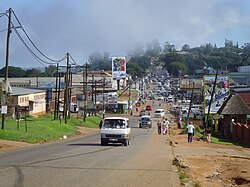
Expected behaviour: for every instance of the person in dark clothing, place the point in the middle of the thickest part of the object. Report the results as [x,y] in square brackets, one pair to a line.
[159,127]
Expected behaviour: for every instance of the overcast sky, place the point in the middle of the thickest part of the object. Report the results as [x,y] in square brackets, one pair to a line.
[81,27]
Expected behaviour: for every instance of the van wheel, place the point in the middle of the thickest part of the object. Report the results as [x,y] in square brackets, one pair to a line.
[103,143]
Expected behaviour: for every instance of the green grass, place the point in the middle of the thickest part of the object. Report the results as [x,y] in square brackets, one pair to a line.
[44,129]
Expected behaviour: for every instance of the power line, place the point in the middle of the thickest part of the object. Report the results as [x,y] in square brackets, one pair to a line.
[28,48]
[74,62]
[34,43]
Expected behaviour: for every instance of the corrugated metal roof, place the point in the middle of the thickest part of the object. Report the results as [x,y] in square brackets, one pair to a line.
[24,91]
[245,97]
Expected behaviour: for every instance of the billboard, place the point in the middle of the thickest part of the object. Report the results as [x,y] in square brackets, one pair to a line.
[220,95]
[124,95]
[118,67]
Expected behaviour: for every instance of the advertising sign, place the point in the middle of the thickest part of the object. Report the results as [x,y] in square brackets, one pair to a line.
[124,96]
[220,95]
[118,67]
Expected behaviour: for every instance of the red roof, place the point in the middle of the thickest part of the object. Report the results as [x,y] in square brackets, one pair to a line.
[245,97]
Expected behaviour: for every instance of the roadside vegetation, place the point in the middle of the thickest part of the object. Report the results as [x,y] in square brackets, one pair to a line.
[44,128]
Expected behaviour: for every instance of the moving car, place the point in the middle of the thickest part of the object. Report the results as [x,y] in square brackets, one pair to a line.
[145,121]
[160,98]
[159,113]
[149,107]
[115,130]
[170,99]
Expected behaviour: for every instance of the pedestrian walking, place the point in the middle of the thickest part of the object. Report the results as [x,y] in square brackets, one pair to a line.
[166,124]
[159,127]
[208,136]
[163,127]
[190,128]
[180,123]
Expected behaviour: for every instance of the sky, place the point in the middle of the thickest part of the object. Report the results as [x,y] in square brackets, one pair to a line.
[82,27]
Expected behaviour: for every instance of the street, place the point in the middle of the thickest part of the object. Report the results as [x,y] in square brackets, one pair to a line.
[147,161]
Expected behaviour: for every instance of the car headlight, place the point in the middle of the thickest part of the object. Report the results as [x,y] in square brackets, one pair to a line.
[103,135]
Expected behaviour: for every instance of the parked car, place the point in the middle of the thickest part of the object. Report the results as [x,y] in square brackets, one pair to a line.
[159,113]
[145,121]
[149,107]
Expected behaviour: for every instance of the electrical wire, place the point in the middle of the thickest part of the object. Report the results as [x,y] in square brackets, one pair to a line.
[74,62]
[34,43]
[28,48]
[3,30]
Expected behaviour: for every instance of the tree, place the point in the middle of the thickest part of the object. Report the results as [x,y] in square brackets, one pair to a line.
[34,73]
[50,71]
[153,48]
[142,61]
[99,62]
[134,70]
[13,72]
[176,68]
[185,47]
[168,47]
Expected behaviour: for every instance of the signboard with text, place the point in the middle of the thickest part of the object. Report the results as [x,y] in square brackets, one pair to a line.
[124,95]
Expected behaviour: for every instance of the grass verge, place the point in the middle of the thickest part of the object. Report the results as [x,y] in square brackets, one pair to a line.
[44,128]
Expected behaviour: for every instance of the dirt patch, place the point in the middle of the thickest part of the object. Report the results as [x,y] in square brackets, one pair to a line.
[6,145]
[212,164]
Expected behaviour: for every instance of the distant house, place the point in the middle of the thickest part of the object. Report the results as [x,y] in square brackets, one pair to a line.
[33,98]
[235,122]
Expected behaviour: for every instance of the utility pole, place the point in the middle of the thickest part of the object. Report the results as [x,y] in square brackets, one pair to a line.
[55,107]
[5,85]
[66,95]
[129,93]
[191,101]
[103,97]
[211,100]
[70,90]
[92,88]
[95,91]
[85,92]
[58,97]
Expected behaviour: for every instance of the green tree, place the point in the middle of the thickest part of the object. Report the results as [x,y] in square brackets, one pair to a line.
[99,62]
[134,70]
[13,72]
[176,68]
[34,73]
[167,47]
[50,71]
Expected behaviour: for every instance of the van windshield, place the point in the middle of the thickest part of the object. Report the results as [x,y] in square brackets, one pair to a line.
[114,123]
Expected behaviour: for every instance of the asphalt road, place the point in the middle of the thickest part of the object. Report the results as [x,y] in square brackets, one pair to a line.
[147,161]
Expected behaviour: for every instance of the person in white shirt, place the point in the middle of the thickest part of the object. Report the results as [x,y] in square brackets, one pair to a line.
[166,126]
[190,128]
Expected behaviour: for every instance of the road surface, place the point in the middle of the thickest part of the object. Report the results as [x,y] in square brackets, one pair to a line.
[147,161]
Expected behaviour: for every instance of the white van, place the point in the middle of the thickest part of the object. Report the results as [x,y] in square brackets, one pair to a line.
[115,130]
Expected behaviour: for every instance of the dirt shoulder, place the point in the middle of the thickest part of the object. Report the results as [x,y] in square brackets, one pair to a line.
[209,164]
